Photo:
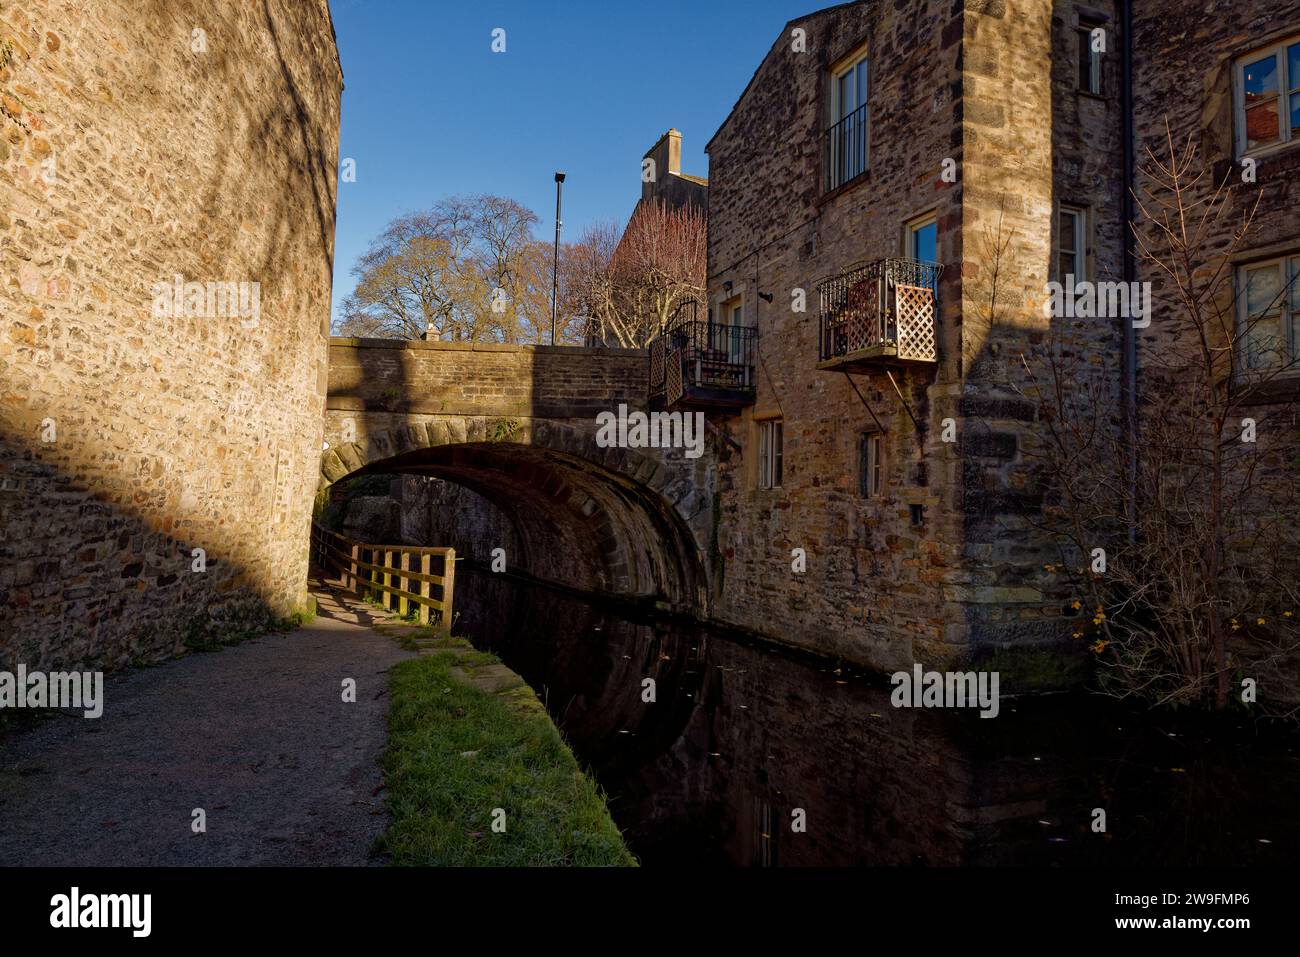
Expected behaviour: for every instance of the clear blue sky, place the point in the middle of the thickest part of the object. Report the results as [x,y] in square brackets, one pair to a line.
[585,87]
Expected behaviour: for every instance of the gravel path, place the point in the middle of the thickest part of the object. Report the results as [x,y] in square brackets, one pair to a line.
[257,735]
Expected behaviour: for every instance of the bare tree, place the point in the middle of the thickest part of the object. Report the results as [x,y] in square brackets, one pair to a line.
[589,289]
[1189,577]
[466,269]
[659,263]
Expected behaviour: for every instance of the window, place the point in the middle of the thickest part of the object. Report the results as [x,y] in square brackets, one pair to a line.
[1091,47]
[723,340]
[1267,95]
[1072,247]
[1268,296]
[871,464]
[848,134]
[923,239]
[770,453]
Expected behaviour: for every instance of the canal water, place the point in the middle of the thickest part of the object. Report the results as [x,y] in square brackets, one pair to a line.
[759,757]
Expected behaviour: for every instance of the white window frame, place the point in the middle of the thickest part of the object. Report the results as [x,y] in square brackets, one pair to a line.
[849,65]
[1079,240]
[1287,311]
[771,453]
[1286,86]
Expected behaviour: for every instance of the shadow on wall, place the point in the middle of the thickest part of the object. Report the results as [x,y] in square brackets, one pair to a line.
[174,432]
[89,581]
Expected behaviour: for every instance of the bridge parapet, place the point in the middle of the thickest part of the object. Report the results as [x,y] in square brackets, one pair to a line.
[518,425]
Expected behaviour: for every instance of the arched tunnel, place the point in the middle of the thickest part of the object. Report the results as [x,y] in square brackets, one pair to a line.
[577,522]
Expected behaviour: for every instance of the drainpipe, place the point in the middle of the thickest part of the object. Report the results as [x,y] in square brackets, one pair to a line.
[1129,266]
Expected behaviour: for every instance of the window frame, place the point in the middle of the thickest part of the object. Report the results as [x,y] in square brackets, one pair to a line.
[770,472]
[1079,239]
[1095,57]
[913,227]
[1287,86]
[1287,311]
[850,64]
[859,57]
[871,464]
[727,341]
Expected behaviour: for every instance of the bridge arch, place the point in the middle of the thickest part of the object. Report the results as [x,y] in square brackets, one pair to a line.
[609,520]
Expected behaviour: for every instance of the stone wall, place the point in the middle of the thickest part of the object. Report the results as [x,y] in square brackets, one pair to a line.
[877,589]
[460,378]
[443,514]
[1034,143]
[141,141]
[989,92]
[1193,48]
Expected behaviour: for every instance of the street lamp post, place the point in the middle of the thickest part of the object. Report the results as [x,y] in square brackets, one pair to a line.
[555,269]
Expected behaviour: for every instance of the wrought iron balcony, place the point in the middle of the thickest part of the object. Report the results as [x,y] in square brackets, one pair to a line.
[698,364]
[878,313]
[846,149]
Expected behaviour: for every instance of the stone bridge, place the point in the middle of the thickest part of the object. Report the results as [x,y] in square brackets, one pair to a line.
[517,425]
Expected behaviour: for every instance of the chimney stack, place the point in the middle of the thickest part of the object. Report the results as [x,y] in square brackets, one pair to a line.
[667,157]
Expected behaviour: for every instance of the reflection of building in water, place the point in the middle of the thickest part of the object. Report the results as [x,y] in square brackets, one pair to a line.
[740,736]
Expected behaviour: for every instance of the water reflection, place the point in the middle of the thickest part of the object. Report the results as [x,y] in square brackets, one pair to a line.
[741,738]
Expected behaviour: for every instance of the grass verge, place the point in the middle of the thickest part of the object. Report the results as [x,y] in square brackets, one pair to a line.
[457,753]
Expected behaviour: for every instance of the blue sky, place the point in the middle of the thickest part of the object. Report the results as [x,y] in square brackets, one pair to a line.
[585,87]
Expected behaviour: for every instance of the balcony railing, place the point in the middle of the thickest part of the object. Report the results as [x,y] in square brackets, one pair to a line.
[880,311]
[846,149]
[701,364]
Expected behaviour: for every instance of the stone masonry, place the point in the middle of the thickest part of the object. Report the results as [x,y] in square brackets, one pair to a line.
[517,426]
[946,563]
[141,141]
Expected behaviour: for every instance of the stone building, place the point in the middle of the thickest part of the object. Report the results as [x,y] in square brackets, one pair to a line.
[950,161]
[167,197]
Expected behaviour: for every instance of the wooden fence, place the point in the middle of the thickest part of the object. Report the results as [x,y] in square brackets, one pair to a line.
[386,573]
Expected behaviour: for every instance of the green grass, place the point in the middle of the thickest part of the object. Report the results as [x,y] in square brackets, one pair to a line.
[442,800]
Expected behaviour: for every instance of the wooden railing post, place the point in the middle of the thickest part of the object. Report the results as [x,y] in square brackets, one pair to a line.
[426,587]
[352,569]
[448,588]
[387,599]
[403,564]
